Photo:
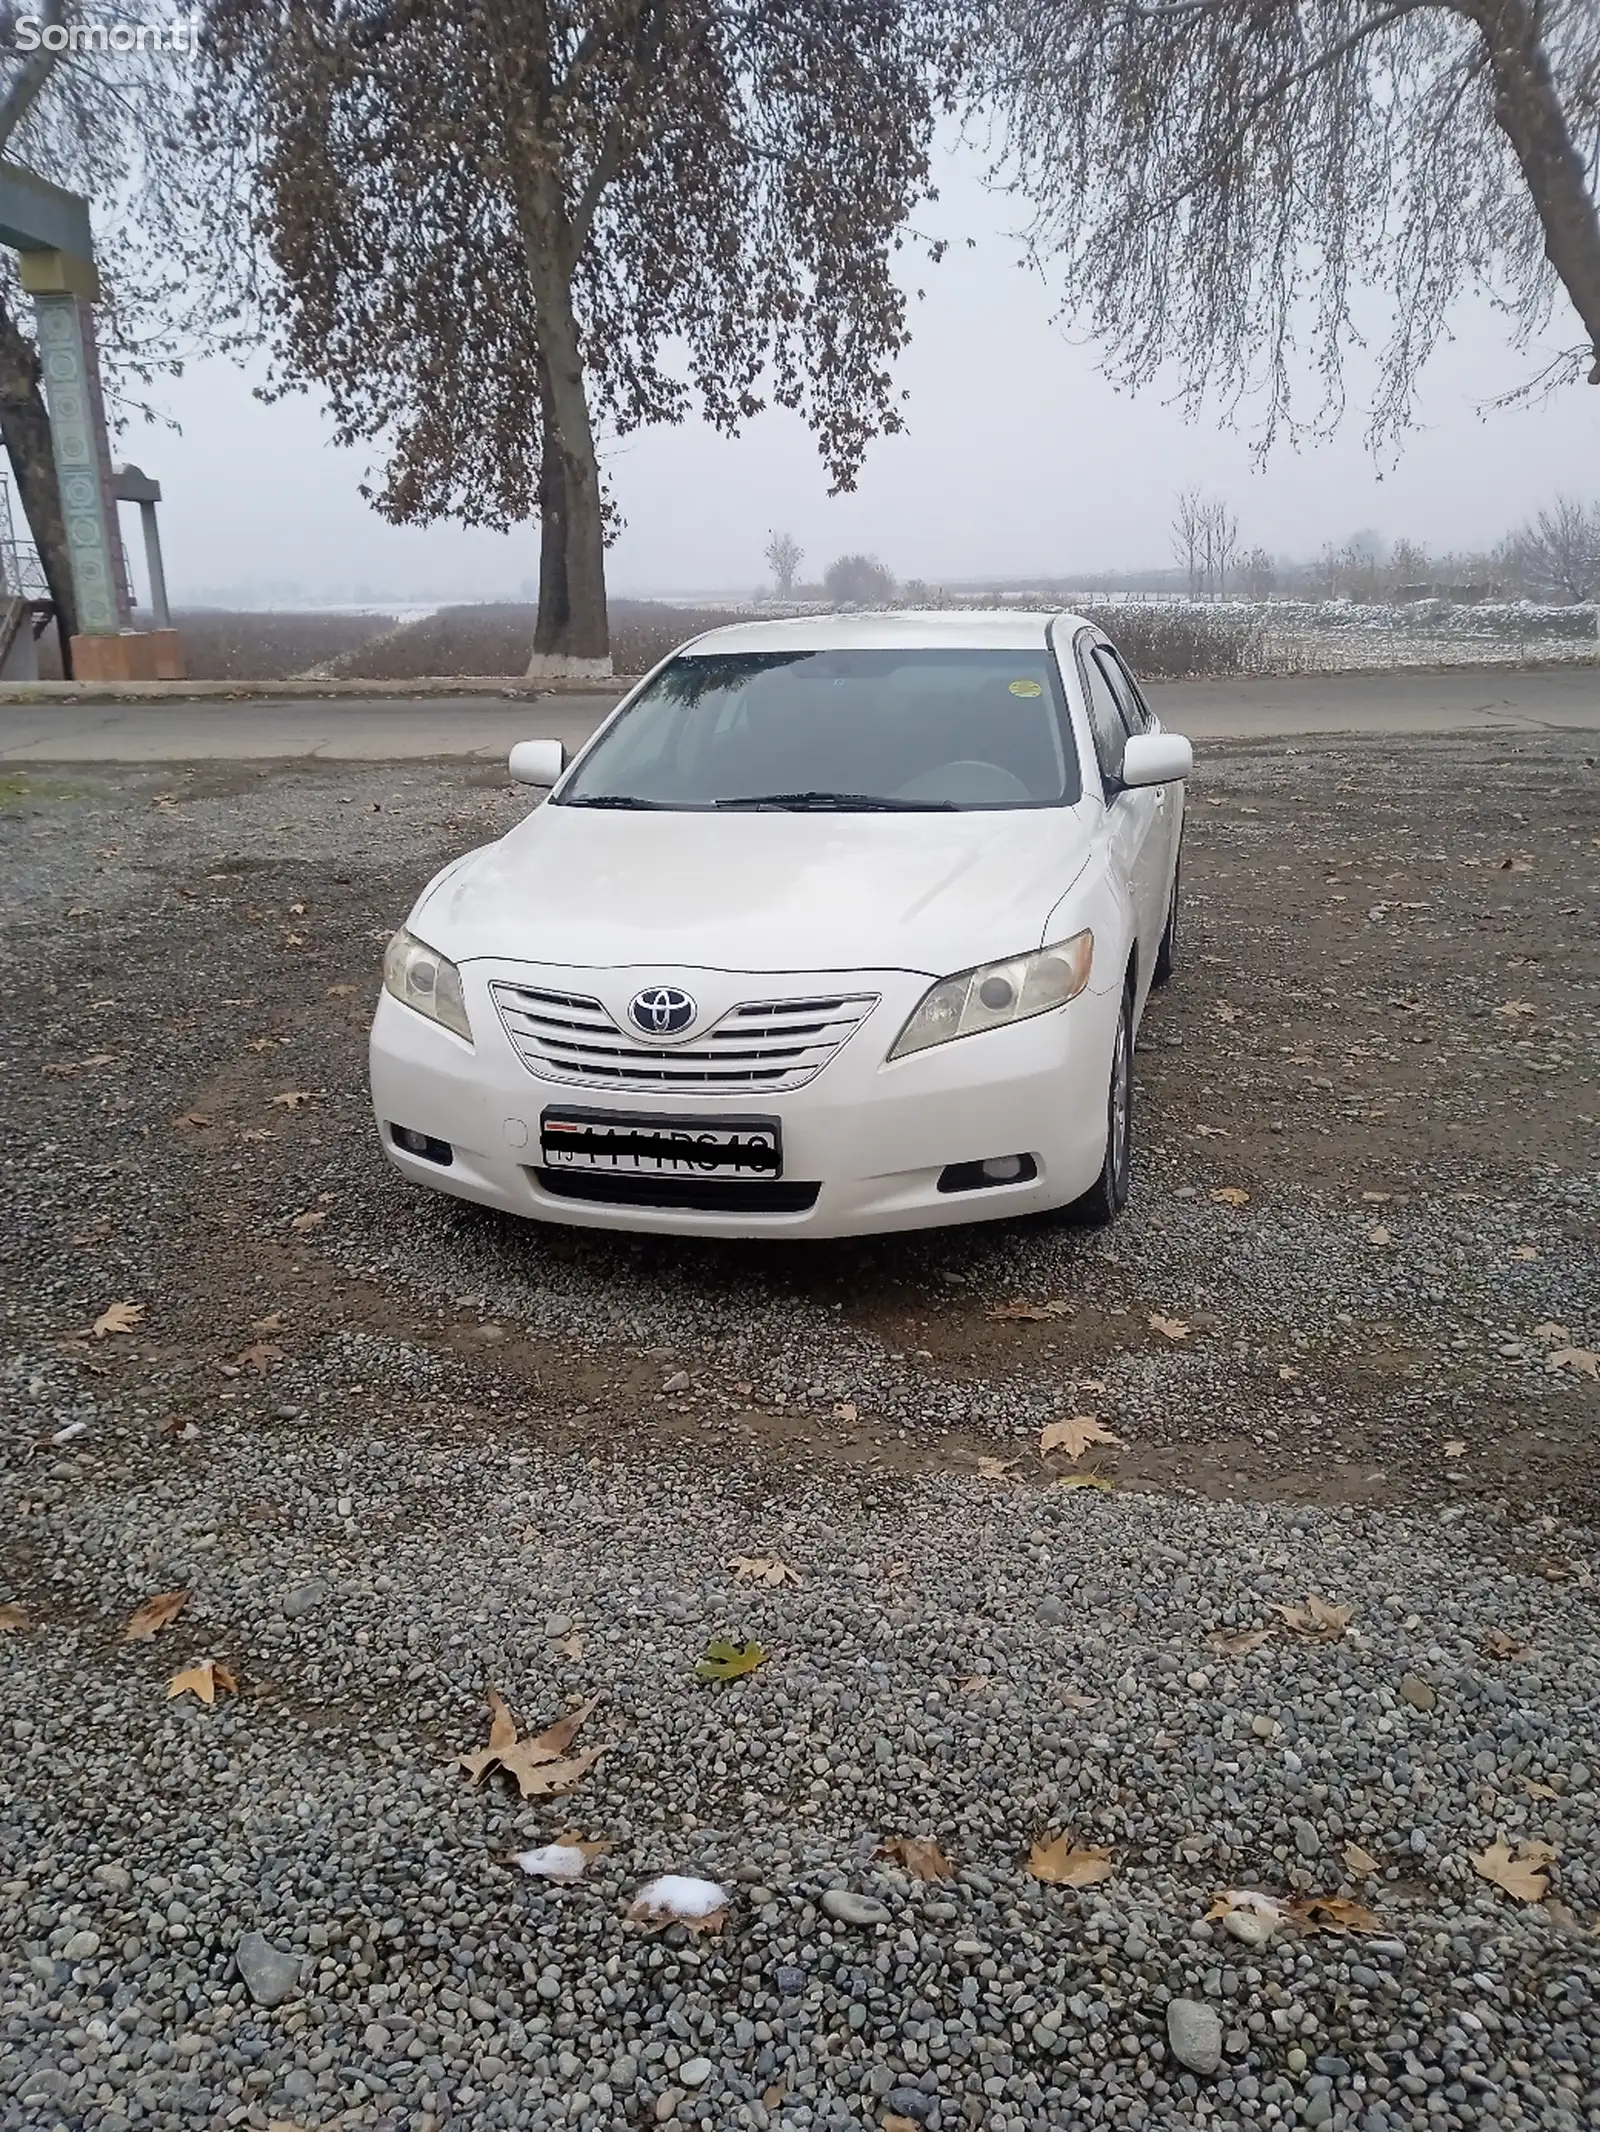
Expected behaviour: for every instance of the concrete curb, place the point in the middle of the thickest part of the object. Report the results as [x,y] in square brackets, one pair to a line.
[44,693]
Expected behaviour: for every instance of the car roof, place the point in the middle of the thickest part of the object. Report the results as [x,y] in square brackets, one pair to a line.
[897,629]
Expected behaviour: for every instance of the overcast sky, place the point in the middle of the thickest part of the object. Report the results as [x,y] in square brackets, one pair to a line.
[1018,458]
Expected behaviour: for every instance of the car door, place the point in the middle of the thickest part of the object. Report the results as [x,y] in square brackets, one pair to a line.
[1131,815]
[1168,825]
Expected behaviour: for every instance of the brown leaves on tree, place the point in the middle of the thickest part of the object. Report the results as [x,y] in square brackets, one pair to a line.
[155,1615]
[920,1856]
[1064,1863]
[539,1767]
[206,1679]
[118,1318]
[762,1569]
[1319,1620]
[1523,1872]
[1075,1435]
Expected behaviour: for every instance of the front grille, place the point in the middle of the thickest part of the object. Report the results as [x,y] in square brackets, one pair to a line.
[768,1044]
[705,1195]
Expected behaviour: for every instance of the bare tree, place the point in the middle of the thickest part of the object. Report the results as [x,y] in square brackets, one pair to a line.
[1559,552]
[1219,546]
[1188,523]
[1260,575]
[1217,177]
[784,555]
[494,228]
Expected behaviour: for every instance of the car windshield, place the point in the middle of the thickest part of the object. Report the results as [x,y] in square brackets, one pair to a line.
[839,731]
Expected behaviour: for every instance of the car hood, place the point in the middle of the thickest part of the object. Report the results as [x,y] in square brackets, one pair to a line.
[758,891]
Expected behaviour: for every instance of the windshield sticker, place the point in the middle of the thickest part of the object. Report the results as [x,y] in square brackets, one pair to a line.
[1026,688]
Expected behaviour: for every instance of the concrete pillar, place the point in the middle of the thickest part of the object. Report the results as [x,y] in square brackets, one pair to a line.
[159,611]
[64,322]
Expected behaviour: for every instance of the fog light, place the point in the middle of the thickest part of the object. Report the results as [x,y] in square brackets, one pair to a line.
[983,1176]
[423,1145]
[1003,1169]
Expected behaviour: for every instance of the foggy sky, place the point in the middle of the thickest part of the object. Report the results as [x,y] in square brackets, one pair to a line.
[1018,458]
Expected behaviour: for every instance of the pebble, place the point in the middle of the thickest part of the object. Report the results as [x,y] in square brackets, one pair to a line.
[695,2072]
[304,1598]
[849,1908]
[270,1974]
[1195,2034]
[1418,1692]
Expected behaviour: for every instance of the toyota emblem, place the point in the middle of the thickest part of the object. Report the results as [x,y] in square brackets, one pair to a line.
[662,1010]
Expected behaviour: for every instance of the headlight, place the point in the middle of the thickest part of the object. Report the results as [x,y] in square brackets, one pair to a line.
[427,981]
[998,992]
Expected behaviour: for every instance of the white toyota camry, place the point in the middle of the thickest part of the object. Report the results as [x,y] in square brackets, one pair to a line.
[836,925]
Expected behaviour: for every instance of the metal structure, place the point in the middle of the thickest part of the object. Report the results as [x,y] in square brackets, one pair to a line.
[133,485]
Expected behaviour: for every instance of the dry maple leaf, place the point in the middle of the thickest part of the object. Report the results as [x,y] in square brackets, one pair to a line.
[541,1766]
[1499,1643]
[1522,1873]
[1524,1251]
[340,991]
[313,1218]
[191,1121]
[1360,1862]
[1238,1643]
[1074,1435]
[762,1569]
[156,1614]
[290,1098]
[1513,1007]
[12,1619]
[260,1357]
[1549,1330]
[1231,1195]
[1319,1619]
[1169,1328]
[846,1411]
[1539,1791]
[1288,1374]
[207,1678]
[1379,1235]
[271,1323]
[1582,1359]
[1332,1913]
[994,1469]
[1455,1447]
[920,1856]
[1058,1860]
[118,1318]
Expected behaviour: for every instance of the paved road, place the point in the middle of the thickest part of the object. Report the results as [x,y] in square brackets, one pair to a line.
[376,729]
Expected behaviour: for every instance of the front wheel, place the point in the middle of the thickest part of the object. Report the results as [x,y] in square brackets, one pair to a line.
[1108,1195]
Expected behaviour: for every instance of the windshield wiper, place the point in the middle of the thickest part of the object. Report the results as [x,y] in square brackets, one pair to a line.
[609,799]
[842,802]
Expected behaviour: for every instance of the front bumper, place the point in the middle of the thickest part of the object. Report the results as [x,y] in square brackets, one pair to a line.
[874,1135]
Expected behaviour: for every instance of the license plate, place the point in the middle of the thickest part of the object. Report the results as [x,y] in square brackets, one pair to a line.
[634,1144]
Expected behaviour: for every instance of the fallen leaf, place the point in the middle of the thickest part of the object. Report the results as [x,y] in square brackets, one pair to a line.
[1228,1014]
[340,991]
[1582,1359]
[566,1859]
[260,1357]
[1551,1331]
[191,1121]
[539,1766]
[1058,1860]
[313,1218]
[921,1857]
[118,1318]
[894,2122]
[207,1678]
[572,1646]
[1513,1007]
[762,1569]
[846,1411]
[1169,1328]
[1074,1436]
[1455,1448]
[1288,1374]
[254,1133]
[1524,1251]
[1231,1195]
[291,1098]
[1332,1913]
[1211,1132]
[680,1899]
[272,1323]
[1499,1643]
[1522,1873]
[1086,1480]
[975,1684]
[1377,1199]
[12,1619]
[994,1469]
[1033,1312]
[156,1614]
[1379,1235]
[1238,1643]
[1361,1863]
[724,1660]
[1318,1618]
[1255,1902]
[1539,1791]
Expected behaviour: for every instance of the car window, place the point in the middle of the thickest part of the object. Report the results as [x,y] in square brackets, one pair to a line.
[922,727]
[1135,711]
[1105,715]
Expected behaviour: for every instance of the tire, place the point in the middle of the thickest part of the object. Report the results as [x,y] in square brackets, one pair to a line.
[1167,952]
[1107,1197]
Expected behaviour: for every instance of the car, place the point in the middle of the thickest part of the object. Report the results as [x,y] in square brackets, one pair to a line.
[838,924]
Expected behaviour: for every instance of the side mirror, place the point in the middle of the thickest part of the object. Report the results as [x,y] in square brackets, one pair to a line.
[538,762]
[1157,759]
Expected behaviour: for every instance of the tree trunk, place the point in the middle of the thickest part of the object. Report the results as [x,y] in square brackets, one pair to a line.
[572,634]
[1527,108]
[25,428]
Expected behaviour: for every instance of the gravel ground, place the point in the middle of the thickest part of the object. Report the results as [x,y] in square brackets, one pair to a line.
[398,1451]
